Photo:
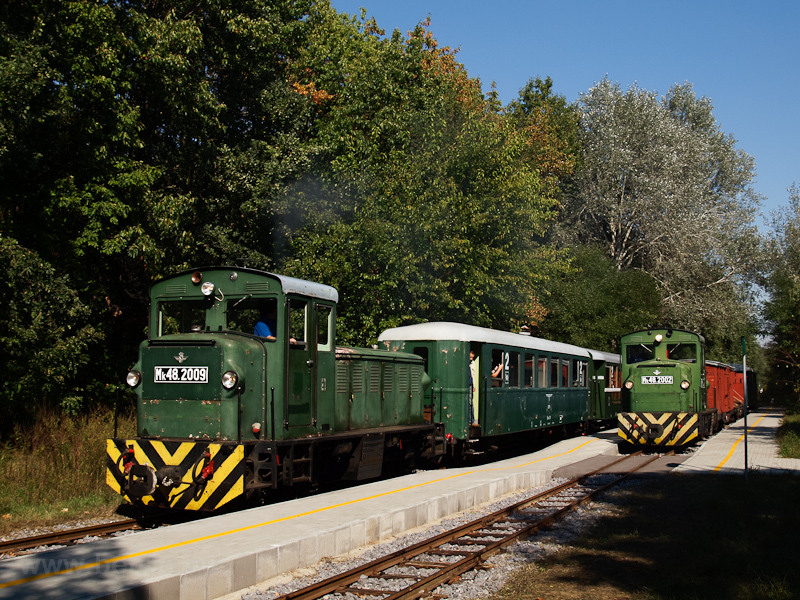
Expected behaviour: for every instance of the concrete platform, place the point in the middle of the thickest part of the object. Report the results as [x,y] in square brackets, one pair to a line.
[214,557]
[725,452]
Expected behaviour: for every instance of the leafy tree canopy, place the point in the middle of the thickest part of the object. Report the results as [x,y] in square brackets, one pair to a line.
[595,304]
[44,339]
[434,208]
[782,309]
[665,191]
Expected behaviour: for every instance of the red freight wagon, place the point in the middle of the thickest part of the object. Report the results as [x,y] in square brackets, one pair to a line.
[722,394]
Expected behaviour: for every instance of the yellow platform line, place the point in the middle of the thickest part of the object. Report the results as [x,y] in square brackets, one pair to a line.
[109,561]
[733,448]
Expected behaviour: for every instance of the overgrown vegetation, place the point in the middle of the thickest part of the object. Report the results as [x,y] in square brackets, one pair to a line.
[54,471]
[679,537]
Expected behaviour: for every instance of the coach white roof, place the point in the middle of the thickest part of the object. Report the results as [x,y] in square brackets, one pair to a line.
[605,356]
[469,333]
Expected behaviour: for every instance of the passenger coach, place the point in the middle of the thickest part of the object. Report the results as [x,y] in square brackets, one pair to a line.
[487,384]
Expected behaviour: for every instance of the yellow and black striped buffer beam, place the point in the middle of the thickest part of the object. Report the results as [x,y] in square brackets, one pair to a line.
[658,429]
[190,492]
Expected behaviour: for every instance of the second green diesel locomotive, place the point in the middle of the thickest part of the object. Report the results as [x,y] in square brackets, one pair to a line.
[672,396]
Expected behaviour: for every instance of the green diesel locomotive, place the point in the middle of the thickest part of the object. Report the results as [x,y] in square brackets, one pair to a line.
[665,395]
[241,390]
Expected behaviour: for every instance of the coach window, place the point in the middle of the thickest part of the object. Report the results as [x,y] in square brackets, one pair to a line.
[513,369]
[554,362]
[579,369]
[541,372]
[497,368]
[564,372]
[613,376]
[423,352]
[528,371]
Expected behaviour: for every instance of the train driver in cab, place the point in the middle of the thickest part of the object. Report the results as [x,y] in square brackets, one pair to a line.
[267,324]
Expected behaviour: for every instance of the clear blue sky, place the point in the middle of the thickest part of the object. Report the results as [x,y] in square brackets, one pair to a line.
[743,56]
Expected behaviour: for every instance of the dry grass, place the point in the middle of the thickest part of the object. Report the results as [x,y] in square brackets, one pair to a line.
[54,472]
[681,537]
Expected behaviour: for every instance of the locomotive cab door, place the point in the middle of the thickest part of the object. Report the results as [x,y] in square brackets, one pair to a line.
[301,371]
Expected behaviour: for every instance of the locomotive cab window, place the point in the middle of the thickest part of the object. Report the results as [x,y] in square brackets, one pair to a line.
[298,321]
[682,352]
[324,328]
[245,313]
[639,353]
[182,317]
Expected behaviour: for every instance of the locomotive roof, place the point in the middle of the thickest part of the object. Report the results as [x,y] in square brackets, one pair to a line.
[289,285]
[470,333]
[651,332]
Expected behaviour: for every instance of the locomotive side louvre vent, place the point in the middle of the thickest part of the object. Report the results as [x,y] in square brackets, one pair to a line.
[341,378]
[402,374]
[388,377]
[374,379]
[416,378]
[358,380]
[175,290]
[257,287]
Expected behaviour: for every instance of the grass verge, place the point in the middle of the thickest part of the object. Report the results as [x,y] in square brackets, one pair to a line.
[789,435]
[681,537]
[54,472]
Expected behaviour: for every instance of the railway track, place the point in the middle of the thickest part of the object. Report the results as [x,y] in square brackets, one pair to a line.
[67,536]
[416,571]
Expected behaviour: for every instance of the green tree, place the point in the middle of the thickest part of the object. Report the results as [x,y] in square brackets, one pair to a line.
[44,339]
[782,309]
[432,210]
[552,126]
[139,137]
[664,190]
[595,304]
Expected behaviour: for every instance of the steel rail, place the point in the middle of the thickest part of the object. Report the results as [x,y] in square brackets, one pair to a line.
[67,536]
[481,527]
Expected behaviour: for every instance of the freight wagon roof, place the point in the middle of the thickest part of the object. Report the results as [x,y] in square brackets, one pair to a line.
[470,333]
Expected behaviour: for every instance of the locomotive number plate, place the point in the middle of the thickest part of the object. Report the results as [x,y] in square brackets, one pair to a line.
[657,379]
[180,375]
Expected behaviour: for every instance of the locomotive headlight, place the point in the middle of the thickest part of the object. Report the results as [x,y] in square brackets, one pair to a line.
[229,380]
[684,385]
[207,288]
[659,337]
[628,385]
[134,378]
